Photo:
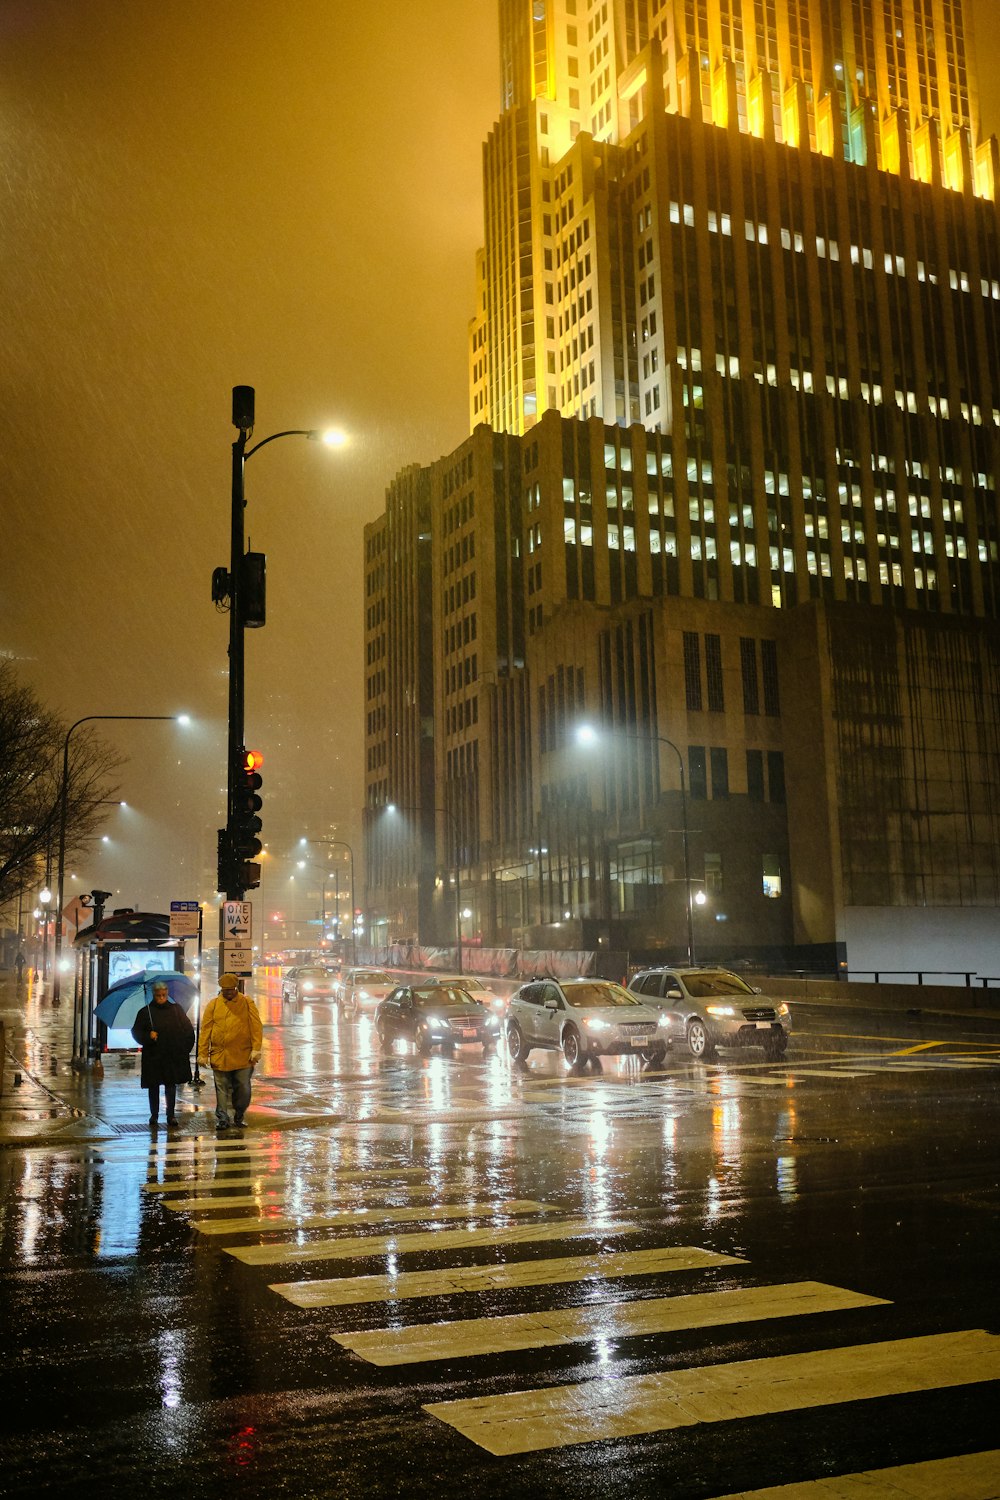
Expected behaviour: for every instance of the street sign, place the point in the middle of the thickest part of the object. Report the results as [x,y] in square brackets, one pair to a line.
[237,922]
[237,958]
[185,918]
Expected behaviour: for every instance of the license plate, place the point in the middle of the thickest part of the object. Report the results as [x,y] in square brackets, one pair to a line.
[473,1033]
[762,1025]
[639,1041]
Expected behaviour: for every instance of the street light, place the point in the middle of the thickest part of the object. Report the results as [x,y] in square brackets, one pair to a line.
[232,870]
[393,807]
[587,735]
[63,790]
[341,844]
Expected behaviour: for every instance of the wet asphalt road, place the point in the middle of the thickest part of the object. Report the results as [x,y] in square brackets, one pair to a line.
[142,1356]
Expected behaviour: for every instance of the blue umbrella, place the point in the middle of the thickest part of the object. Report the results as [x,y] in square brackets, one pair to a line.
[125,999]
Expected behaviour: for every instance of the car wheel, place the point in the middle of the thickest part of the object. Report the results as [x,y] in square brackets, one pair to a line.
[573,1050]
[515,1042]
[775,1048]
[384,1040]
[655,1054]
[422,1039]
[699,1042]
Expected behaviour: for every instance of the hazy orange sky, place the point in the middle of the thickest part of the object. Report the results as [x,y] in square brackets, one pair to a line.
[195,196]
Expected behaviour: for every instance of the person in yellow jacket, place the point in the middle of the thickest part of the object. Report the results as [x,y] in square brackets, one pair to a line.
[230,1041]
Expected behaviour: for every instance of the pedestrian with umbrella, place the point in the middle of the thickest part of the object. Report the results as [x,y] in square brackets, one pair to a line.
[166,1037]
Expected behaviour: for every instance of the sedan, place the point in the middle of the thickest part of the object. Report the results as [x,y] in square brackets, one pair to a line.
[435,1015]
[308,982]
[362,989]
[479,991]
[584,1019]
[712,1008]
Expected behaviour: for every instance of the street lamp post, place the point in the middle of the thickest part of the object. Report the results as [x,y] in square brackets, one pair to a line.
[588,735]
[446,812]
[231,870]
[342,844]
[63,794]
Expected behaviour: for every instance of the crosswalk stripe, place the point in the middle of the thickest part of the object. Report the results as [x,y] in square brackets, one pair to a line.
[363,1246]
[503,1335]
[968,1476]
[419,1116]
[527,1421]
[397,1215]
[273,1197]
[448,1280]
[268,1179]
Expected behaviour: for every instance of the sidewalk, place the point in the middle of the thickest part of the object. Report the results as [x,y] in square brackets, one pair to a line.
[53,1105]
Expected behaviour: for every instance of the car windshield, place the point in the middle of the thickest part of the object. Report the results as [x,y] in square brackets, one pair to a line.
[592,996]
[313,974]
[715,983]
[372,976]
[445,995]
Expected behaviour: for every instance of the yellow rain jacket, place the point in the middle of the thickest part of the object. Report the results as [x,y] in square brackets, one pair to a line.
[231,1033]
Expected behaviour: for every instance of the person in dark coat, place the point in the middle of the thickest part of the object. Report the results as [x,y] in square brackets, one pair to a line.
[166,1037]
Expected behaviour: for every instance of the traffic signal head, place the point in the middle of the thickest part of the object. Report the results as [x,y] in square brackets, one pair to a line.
[246,822]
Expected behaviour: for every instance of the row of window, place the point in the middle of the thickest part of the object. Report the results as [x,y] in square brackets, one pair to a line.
[708,774]
[706,689]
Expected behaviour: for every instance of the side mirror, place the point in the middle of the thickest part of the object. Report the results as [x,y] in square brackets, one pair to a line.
[551,1004]
[673,994]
[757,990]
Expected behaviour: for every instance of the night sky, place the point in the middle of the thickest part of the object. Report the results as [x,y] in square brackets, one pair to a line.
[196,195]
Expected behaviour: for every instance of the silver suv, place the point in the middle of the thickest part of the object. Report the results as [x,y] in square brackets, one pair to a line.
[713,1008]
[585,1018]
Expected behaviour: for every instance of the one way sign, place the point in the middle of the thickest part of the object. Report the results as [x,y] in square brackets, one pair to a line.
[237,922]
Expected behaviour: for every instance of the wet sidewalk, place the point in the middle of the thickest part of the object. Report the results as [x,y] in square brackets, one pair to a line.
[46,1102]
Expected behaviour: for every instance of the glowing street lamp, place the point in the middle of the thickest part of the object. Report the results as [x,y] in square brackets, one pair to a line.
[394,807]
[341,844]
[243,587]
[586,734]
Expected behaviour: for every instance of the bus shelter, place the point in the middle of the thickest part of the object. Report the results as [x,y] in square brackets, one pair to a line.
[127,942]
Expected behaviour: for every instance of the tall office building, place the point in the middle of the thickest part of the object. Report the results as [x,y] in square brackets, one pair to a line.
[730,500]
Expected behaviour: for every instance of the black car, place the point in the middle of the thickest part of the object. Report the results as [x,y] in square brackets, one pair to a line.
[435,1015]
[309,982]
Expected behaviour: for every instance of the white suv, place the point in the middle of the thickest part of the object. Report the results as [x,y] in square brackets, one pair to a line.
[584,1018]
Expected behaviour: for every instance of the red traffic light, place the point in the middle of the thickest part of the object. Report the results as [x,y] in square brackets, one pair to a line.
[252,760]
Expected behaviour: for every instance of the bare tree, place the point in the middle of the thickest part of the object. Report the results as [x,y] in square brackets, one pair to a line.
[31,763]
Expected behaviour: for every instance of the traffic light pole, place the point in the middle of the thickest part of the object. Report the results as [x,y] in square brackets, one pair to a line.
[243,414]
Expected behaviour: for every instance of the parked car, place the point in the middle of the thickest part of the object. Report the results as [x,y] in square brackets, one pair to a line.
[432,1015]
[308,982]
[362,989]
[584,1018]
[713,1007]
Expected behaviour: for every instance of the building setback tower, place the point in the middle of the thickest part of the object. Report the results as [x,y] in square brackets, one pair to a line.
[730,499]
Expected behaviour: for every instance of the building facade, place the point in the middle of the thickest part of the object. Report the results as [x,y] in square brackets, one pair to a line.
[729,504]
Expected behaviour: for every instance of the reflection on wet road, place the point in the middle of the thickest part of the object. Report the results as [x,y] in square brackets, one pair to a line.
[430,1274]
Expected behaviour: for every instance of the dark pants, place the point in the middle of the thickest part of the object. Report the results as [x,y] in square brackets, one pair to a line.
[169,1099]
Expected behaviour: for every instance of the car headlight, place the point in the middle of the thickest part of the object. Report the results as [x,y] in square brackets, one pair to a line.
[783,1009]
[594,1023]
[664,1020]
[720,1010]
[363,995]
[307,984]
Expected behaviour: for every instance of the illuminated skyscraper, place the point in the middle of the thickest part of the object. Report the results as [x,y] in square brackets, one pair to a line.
[730,494]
